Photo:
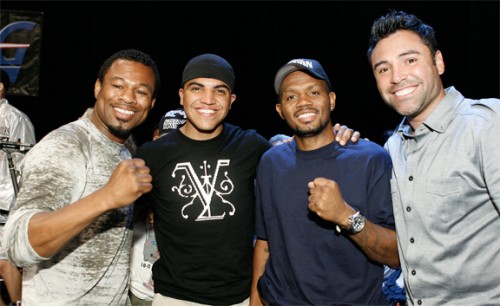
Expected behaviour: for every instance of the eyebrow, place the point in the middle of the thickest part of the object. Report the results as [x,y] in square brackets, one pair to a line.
[223,85]
[409,52]
[119,78]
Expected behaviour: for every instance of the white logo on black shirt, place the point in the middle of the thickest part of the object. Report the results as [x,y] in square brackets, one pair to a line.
[204,188]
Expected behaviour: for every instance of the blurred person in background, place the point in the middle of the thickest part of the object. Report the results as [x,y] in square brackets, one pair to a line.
[17,135]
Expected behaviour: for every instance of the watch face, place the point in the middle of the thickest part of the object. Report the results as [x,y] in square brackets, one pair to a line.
[359,223]
[356,223]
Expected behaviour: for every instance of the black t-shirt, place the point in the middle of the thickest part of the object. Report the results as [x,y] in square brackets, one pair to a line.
[203,203]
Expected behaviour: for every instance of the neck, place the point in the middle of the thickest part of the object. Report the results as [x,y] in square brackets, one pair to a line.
[194,133]
[326,137]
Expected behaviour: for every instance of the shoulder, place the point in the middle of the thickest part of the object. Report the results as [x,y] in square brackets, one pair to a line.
[486,107]
[473,108]
[231,129]
[68,140]
[283,148]
[250,135]
[367,150]
[13,112]
[152,143]
[480,117]
[165,141]
[70,133]
[64,153]
[364,146]
[281,153]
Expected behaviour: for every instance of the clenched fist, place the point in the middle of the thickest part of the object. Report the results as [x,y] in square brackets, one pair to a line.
[326,200]
[128,182]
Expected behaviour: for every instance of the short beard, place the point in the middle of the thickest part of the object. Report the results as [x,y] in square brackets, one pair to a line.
[119,132]
[311,132]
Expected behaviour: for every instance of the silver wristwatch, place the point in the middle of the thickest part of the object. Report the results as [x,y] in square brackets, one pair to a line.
[356,223]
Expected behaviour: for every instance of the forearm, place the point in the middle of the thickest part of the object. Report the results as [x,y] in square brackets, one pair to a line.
[378,243]
[48,232]
[260,256]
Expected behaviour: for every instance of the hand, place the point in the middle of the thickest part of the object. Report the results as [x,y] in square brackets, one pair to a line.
[343,133]
[325,199]
[128,182]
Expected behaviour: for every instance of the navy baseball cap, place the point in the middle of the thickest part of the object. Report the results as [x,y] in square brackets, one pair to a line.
[309,66]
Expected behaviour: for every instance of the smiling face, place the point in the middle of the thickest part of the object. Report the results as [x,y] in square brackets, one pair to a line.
[407,76]
[206,103]
[123,99]
[306,104]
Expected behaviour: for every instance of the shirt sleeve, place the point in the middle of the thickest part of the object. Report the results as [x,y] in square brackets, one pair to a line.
[54,176]
[490,153]
[260,229]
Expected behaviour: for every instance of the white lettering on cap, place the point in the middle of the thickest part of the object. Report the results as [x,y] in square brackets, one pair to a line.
[302,62]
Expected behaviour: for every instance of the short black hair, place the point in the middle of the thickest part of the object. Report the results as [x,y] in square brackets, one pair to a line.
[4,78]
[134,56]
[395,21]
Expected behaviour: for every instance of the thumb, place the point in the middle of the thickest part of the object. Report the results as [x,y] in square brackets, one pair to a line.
[320,181]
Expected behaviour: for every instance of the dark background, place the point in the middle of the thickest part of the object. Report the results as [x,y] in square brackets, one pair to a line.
[256,38]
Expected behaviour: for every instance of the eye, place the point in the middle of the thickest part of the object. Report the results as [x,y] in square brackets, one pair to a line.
[411,60]
[222,91]
[117,86]
[195,88]
[290,97]
[142,93]
[382,70]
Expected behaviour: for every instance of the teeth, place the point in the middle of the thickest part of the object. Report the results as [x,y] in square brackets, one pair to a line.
[404,92]
[206,111]
[306,115]
[124,111]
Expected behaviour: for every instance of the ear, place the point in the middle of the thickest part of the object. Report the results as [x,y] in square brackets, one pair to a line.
[97,88]
[153,103]
[439,62]
[333,98]
[278,109]
[233,98]
[181,96]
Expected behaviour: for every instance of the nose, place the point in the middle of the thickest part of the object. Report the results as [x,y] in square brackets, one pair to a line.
[127,95]
[208,97]
[303,100]
[398,74]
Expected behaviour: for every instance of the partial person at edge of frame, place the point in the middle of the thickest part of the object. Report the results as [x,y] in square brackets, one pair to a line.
[446,177]
[17,136]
